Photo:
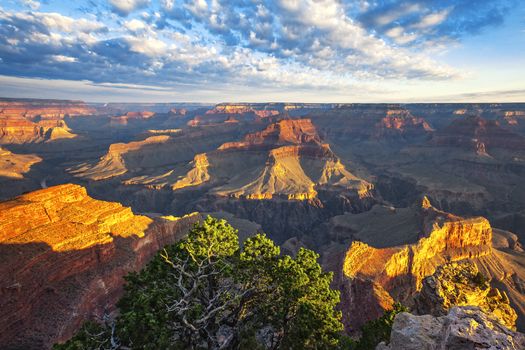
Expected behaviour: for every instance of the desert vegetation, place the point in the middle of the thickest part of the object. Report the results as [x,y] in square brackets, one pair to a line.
[208,292]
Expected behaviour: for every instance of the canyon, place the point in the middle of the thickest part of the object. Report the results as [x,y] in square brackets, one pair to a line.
[388,194]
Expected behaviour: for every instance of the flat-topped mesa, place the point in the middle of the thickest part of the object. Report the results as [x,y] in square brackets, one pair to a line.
[124,119]
[16,130]
[461,111]
[180,111]
[230,109]
[297,172]
[242,109]
[78,220]
[470,131]
[15,165]
[513,113]
[513,118]
[400,270]
[282,176]
[164,131]
[283,132]
[63,256]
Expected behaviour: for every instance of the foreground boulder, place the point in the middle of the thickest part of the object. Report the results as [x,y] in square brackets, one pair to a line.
[464,327]
[461,284]
[63,256]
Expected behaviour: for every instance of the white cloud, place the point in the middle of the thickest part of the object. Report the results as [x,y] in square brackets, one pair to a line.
[334,29]
[135,25]
[151,47]
[299,45]
[432,19]
[395,13]
[62,58]
[125,7]
[32,4]
[399,36]
[61,23]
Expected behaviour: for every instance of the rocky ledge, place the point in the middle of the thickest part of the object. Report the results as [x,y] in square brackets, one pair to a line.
[464,327]
[461,284]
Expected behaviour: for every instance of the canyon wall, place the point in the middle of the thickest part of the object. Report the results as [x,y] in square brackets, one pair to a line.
[27,120]
[62,258]
[396,273]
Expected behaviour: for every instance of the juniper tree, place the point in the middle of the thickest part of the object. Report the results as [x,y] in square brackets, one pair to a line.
[206,292]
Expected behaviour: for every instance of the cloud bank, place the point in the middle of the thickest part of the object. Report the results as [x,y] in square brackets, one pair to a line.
[191,44]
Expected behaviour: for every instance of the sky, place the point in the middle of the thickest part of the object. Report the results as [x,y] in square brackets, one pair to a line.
[344,51]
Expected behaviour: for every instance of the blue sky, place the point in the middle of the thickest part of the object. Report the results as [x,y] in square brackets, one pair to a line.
[281,50]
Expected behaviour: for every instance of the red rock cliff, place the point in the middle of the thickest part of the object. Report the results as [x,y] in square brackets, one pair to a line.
[396,273]
[62,258]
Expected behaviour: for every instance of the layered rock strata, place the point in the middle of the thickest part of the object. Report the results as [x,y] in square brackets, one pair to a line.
[16,130]
[34,108]
[14,166]
[62,258]
[398,271]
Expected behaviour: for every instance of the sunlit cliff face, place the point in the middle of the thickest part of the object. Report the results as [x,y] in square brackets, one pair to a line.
[64,256]
[294,161]
[66,218]
[396,273]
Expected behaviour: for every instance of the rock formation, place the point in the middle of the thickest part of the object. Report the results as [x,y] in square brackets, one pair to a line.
[27,120]
[242,109]
[461,284]
[469,132]
[287,160]
[283,132]
[378,123]
[15,165]
[400,270]
[131,116]
[119,158]
[312,180]
[462,328]
[401,123]
[197,175]
[295,164]
[144,162]
[62,258]
[14,130]
[31,109]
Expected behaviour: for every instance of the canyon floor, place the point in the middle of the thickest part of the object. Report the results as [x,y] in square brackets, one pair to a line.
[385,193]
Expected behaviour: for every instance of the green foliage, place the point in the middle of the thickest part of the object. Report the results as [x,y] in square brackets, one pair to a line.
[91,336]
[205,292]
[378,330]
